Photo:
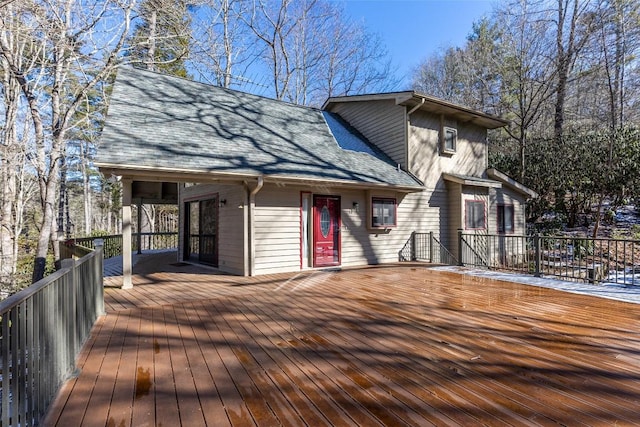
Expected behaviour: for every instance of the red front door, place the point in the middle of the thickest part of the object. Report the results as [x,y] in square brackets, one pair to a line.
[326,231]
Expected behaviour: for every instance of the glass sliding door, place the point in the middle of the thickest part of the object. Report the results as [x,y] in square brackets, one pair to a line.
[201,231]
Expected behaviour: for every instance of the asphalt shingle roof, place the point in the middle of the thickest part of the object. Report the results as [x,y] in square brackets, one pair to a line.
[158,121]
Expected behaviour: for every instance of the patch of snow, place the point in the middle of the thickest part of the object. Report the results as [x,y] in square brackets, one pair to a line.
[615,291]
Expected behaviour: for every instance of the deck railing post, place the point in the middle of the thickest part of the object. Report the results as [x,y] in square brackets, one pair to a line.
[99,274]
[460,260]
[431,246]
[70,312]
[537,254]
[413,246]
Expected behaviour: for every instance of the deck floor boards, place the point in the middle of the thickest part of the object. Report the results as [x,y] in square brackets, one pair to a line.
[392,345]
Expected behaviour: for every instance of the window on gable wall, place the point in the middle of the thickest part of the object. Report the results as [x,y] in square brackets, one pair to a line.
[505,219]
[449,140]
[475,215]
[383,212]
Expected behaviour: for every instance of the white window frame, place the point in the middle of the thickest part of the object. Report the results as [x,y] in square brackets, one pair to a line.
[447,130]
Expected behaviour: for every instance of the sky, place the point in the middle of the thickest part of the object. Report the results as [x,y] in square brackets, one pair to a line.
[412,30]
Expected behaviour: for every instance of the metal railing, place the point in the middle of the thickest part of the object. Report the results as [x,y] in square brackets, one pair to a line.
[576,258]
[426,247]
[139,242]
[43,329]
[582,259]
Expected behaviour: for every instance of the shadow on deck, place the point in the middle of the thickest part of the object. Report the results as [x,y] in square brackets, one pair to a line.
[388,345]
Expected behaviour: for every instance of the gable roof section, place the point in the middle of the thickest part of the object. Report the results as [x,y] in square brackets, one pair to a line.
[168,126]
[472,181]
[511,183]
[414,100]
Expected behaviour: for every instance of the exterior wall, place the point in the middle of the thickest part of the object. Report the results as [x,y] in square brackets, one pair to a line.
[381,122]
[278,232]
[506,196]
[425,160]
[277,229]
[231,238]
[458,195]
[362,245]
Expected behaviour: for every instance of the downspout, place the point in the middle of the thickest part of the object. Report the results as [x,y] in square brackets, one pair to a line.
[251,226]
[413,110]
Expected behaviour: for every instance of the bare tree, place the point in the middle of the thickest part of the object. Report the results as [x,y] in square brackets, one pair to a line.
[221,51]
[74,45]
[313,52]
[574,25]
[526,75]
[15,182]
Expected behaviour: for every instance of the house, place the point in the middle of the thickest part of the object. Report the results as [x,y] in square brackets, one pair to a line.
[266,186]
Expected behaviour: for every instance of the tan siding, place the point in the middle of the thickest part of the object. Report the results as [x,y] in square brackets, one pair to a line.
[277,226]
[277,230]
[427,164]
[509,250]
[456,215]
[419,212]
[381,122]
[230,226]
[506,196]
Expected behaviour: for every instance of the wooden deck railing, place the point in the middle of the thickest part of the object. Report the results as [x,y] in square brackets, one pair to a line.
[139,242]
[43,328]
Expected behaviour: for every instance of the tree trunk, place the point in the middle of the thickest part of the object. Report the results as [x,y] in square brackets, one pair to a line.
[8,181]
[86,191]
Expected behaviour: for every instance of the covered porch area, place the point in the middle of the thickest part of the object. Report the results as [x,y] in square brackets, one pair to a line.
[388,345]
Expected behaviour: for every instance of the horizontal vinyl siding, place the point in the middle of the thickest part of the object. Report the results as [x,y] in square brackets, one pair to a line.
[277,226]
[456,216]
[419,212]
[277,230]
[231,230]
[506,196]
[381,122]
[230,225]
[427,164]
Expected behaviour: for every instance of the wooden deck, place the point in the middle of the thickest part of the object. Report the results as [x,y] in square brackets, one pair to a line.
[400,345]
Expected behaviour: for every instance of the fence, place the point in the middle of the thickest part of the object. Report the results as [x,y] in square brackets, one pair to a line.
[139,242]
[43,328]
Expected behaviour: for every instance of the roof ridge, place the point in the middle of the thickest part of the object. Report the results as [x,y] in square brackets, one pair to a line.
[213,86]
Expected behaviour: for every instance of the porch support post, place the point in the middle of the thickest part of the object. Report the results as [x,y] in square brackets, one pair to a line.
[126,234]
